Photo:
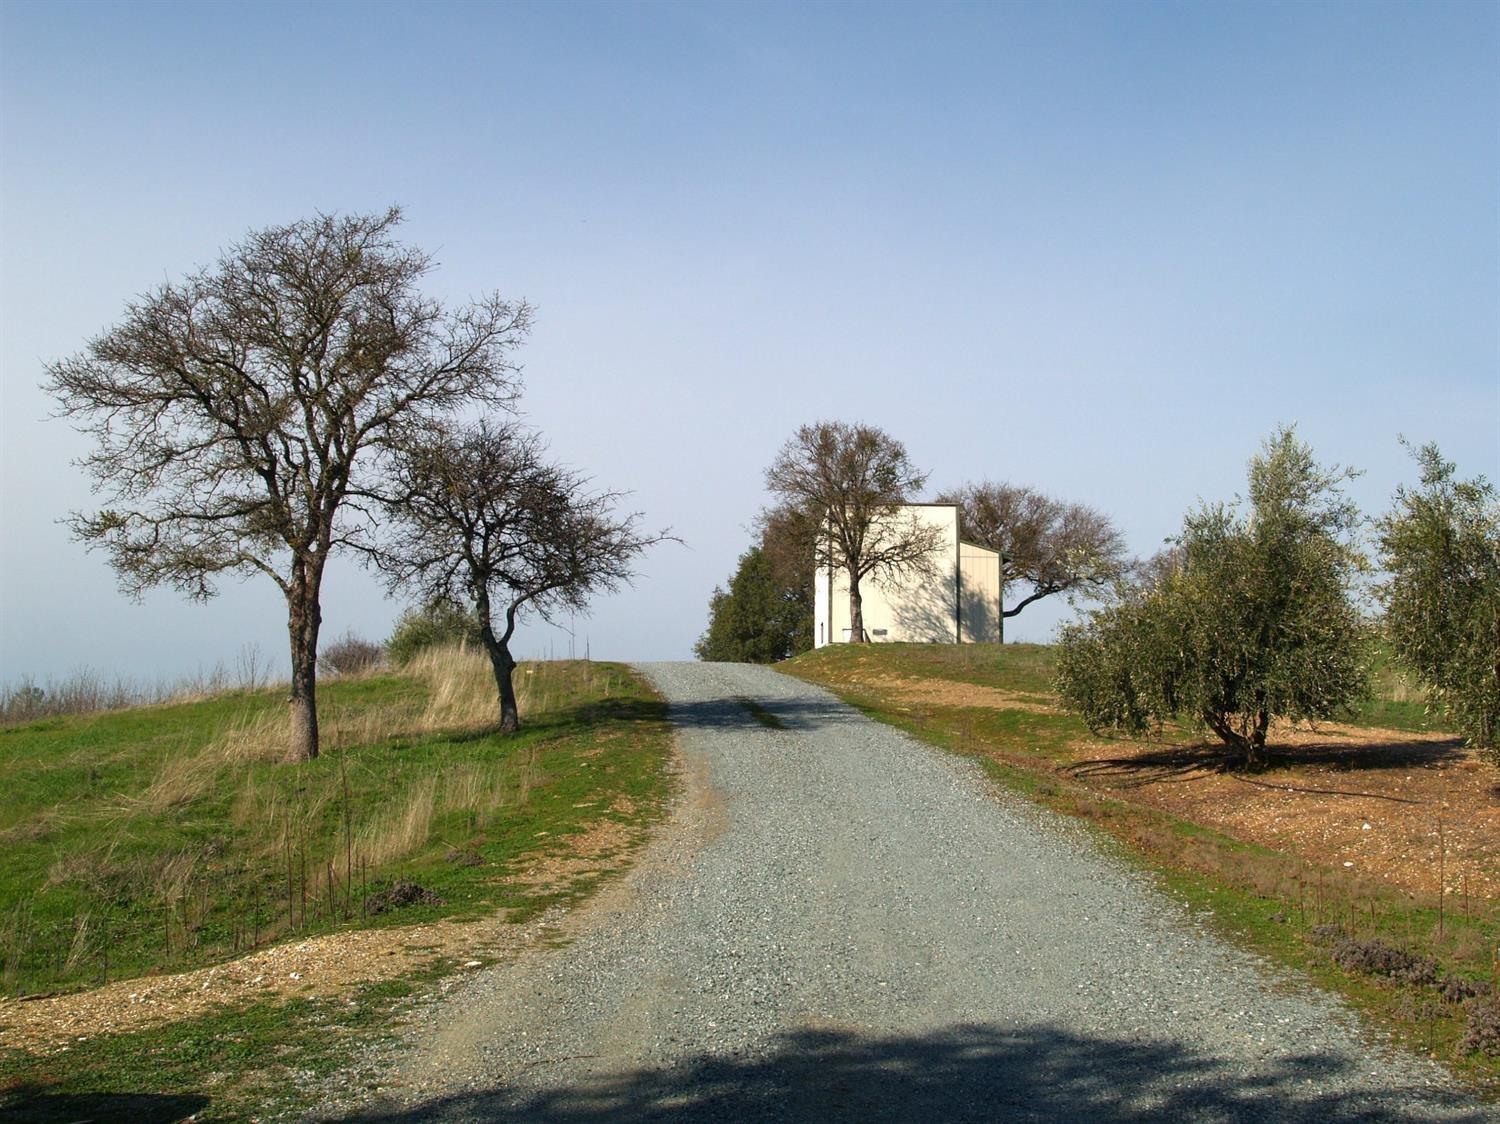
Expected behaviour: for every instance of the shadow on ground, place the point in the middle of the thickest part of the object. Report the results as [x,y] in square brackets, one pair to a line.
[1189,762]
[967,1073]
[37,1107]
[739,713]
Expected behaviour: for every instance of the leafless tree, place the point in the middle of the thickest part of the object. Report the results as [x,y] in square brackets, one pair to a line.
[1046,546]
[481,518]
[856,477]
[242,416]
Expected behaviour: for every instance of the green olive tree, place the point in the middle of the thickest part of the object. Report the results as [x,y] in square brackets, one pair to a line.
[1249,619]
[1440,546]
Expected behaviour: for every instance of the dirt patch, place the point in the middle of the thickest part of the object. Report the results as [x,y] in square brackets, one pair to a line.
[948,692]
[597,850]
[1393,805]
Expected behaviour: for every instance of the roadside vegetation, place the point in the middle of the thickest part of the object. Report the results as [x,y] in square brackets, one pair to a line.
[1365,853]
[1249,618]
[158,839]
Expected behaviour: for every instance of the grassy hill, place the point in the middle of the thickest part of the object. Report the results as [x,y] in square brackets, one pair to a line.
[165,837]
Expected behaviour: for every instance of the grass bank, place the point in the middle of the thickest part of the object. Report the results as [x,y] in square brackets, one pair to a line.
[165,838]
[1425,964]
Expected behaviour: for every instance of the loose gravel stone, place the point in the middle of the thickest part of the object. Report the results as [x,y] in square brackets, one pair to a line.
[843,924]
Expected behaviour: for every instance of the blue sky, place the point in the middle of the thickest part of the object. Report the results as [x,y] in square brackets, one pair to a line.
[1101,249]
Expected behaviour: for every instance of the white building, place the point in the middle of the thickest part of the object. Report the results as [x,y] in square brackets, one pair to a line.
[954,598]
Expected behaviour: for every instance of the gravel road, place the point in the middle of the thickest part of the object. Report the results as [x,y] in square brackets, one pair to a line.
[842,924]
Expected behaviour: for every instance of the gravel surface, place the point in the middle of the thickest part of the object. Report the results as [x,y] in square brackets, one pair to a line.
[843,924]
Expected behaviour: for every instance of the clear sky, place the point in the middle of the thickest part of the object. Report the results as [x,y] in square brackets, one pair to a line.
[1101,249]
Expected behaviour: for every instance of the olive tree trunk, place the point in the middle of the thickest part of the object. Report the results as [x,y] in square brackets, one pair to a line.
[1252,745]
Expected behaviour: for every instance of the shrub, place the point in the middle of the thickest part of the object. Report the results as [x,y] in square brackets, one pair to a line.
[1440,546]
[1390,964]
[1249,619]
[1456,990]
[435,624]
[350,654]
[1483,1033]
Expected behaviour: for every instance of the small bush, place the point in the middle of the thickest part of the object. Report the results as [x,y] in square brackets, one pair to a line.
[402,893]
[435,625]
[1395,965]
[350,655]
[1483,1034]
[1456,990]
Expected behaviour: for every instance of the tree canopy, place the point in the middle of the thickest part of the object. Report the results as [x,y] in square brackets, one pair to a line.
[1249,619]
[758,619]
[480,517]
[1046,546]
[243,417]
[1440,546]
[855,478]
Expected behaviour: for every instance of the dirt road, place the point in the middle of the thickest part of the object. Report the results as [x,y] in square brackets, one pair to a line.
[842,924]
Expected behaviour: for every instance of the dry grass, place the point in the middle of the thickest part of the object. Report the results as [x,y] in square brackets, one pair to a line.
[399,828]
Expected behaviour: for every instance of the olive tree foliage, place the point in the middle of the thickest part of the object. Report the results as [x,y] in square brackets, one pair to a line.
[480,517]
[1250,618]
[1440,547]
[243,417]
[1046,546]
[855,478]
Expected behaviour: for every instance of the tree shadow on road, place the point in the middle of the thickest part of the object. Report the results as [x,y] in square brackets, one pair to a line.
[966,1073]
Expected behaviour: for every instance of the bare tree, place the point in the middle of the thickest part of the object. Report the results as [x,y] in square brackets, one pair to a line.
[481,518]
[241,416]
[1046,546]
[856,477]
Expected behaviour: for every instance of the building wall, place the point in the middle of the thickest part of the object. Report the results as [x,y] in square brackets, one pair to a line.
[922,607]
[979,593]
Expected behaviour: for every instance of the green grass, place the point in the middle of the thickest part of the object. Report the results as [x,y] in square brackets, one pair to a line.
[1265,899]
[232,1064]
[168,837]
[84,838]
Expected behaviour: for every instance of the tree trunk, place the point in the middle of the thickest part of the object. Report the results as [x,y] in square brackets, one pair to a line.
[304,618]
[1000,625]
[856,612]
[503,666]
[1256,757]
[1251,747]
[501,663]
